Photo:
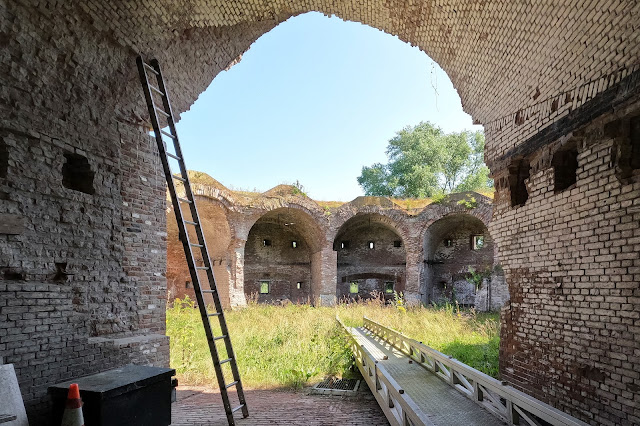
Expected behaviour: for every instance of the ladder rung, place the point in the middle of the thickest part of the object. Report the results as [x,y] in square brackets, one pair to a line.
[209,291]
[190,223]
[184,200]
[155,89]
[173,156]
[220,337]
[216,314]
[196,245]
[167,134]
[203,268]
[224,361]
[150,68]
[237,408]
[231,384]
[163,112]
[179,178]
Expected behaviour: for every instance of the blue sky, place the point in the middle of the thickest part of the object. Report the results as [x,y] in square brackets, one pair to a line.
[314,100]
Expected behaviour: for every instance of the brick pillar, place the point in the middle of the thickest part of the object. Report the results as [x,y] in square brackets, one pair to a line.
[412,292]
[236,280]
[324,274]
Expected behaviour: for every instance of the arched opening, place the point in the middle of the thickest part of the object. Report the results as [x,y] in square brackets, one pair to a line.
[279,257]
[461,264]
[371,258]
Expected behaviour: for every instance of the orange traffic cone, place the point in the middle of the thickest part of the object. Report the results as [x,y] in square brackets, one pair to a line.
[73,409]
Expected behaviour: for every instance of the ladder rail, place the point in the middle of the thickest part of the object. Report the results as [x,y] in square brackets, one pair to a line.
[193,269]
[195,217]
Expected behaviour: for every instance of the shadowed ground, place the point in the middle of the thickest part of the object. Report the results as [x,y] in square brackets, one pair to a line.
[201,406]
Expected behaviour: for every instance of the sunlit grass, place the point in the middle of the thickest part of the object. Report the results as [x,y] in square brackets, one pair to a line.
[291,346]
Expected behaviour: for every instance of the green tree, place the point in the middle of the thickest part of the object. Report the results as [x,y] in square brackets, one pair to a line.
[424,161]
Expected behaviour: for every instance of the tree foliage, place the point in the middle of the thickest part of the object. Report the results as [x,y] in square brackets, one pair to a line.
[424,161]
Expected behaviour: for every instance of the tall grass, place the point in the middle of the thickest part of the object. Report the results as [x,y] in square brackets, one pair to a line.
[289,346]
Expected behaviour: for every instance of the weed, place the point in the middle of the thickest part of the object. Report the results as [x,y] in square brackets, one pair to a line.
[291,346]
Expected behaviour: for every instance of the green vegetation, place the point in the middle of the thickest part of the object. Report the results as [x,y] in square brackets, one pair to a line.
[424,161]
[290,346]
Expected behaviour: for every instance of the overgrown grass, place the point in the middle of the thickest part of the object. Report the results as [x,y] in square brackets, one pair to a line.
[290,346]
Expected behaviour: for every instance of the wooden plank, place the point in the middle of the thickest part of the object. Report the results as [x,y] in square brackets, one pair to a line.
[11,224]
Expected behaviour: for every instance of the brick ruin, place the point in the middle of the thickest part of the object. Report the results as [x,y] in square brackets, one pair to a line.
[82,207]
[304,251]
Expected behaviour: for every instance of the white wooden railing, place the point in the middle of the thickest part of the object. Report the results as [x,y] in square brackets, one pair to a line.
[505,402]
[398,407]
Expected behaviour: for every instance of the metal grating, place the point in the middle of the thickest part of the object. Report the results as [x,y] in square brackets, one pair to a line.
[338,384]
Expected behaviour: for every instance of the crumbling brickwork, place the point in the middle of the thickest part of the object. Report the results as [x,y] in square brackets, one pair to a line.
[572,261]
[334,247]
[82,210]
[371,259]
[456,245]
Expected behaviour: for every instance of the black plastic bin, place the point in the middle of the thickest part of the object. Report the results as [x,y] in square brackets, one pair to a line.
[131,395]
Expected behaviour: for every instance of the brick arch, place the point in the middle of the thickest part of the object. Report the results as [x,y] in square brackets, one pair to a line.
[270,257]
[506,49]
[438,226]
[434,212]
[301,215]
[371,267]
[393,218]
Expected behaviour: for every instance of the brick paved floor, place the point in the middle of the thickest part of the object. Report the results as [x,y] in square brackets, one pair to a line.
[200,406]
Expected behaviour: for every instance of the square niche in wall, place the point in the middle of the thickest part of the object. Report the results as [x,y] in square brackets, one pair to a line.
[4,159]
[388,287]
[353,287]
[477,242]
[77,174]
[265,287]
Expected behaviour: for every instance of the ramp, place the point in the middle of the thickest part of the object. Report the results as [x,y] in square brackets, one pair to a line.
[417,385]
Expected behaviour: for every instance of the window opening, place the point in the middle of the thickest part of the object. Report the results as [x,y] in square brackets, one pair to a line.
[371,245]
[344,245]
[634,136]
[77,174]
[448,242]
[353,287]
[299,285]
[4,160]
[477,242]
[388,287]
[264,287]
[565,166]
[397,243]
[187,284]
[294,244]
[266,243]
[518,173]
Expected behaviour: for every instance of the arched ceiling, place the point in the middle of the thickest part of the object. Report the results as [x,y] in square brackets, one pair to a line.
[518,65]
[448,224]
[362,221]
[299,221]
[513,53]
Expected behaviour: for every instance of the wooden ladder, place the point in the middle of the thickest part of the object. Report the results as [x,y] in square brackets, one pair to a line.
[163,109]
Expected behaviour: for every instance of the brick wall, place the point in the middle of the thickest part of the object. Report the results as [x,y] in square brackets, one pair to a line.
[323,267]
[572,261]
[279,264]
[82,212]
[369,267]
[450,254]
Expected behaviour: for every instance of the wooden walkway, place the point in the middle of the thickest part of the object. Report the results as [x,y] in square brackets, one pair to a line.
[417,385]
[440,403]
